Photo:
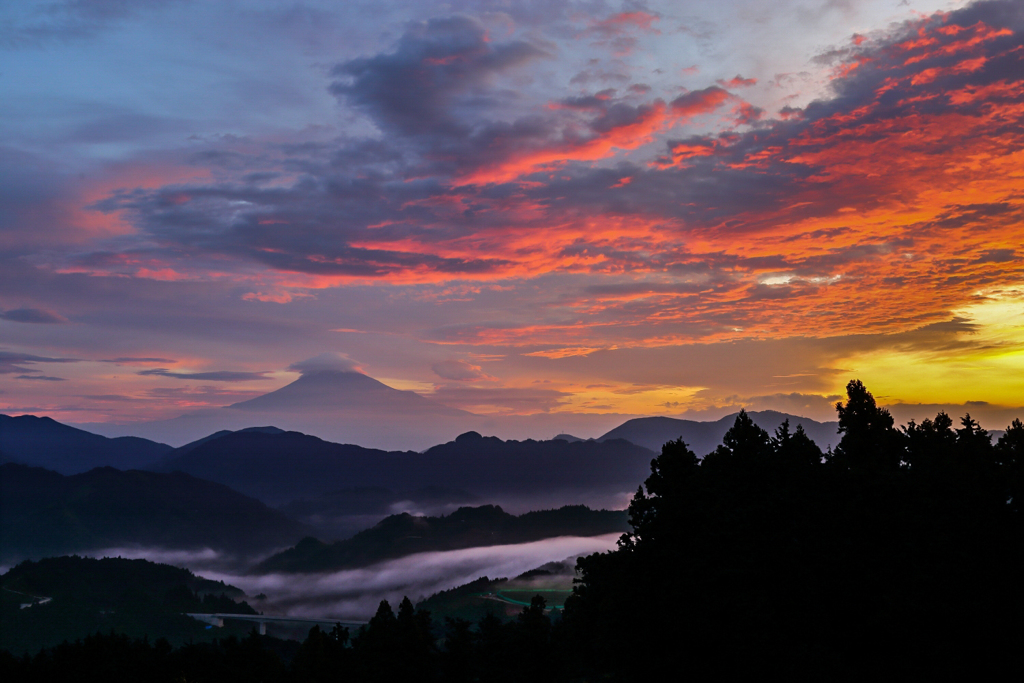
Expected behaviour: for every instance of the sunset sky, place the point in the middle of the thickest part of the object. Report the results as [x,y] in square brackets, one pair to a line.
[634,208]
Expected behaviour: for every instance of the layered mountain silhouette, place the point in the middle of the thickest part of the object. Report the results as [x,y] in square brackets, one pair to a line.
[703,437]
[468,527]
[282,466]
[279,466]
[44,442]
[46,513]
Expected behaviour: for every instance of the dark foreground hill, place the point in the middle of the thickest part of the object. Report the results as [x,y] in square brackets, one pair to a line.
[44,442]
[73,597]
[703,437]
[280,467]
[401,535]
[45,513]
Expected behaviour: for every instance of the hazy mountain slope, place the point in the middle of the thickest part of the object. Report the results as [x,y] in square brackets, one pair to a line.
[703,437]
[45,513]
[278,468]
[342,513]
[44,442]
[468,527]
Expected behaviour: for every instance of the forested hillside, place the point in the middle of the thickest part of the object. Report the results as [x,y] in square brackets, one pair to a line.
[468,527]
[44,513]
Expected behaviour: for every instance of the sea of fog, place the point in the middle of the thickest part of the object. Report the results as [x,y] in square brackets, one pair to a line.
[354,594]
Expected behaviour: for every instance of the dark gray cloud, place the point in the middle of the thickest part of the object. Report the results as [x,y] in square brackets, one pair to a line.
[416,89]
[32,315]
[12,362]
[45,378]
[216,376]
[997,256]
[131,359]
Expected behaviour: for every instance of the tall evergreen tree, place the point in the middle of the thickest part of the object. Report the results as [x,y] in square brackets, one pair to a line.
[870,441]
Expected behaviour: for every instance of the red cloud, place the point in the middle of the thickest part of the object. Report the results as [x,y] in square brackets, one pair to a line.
[700,102]
[737,81]
[617,23]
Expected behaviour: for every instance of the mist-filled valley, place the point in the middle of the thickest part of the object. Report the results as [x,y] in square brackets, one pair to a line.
[355,594]
[285,544]
[321,529]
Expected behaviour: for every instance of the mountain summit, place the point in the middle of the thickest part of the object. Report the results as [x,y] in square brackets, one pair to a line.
[346,390]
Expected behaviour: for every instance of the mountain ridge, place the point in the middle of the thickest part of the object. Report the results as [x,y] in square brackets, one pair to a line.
[468,527]
[703,436]
[281,467]
[43,512]
[44,442]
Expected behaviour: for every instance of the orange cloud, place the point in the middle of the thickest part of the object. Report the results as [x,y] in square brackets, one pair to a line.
[737,81]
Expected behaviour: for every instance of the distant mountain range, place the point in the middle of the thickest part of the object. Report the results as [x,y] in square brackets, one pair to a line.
[468,527]
[703,437]
[344,406]
[279,467]
[45,513]
[44,442]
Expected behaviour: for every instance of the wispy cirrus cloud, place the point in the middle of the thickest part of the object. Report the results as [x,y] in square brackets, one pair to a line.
[37,316]
[13,362]
[213,376]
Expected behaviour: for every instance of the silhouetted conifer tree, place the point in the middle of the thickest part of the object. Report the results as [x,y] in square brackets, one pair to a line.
[795,449]
[870,442]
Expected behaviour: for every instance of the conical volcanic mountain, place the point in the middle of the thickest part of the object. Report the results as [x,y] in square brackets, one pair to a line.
[340,405]
[349,391]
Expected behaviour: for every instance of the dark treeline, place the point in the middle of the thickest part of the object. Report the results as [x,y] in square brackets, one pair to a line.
[900,553]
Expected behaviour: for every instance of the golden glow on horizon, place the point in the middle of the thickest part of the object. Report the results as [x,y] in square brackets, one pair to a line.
[632,400]
[986,363]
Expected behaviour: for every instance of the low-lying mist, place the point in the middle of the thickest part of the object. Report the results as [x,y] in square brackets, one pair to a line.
[354,594]
[332,521]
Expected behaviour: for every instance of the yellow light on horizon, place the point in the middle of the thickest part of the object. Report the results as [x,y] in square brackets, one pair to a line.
[985,364]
